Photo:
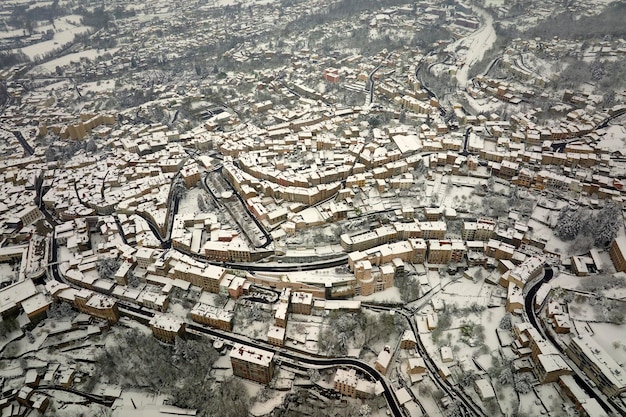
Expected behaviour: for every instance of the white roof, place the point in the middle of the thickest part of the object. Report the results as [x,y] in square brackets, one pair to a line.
[14,294]
[276,332]
[403,396]
[34,303]
[160,321]
[485,389]
[384,357]
[604,362]
[251,354]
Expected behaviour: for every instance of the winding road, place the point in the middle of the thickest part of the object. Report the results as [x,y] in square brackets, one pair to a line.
[144,316]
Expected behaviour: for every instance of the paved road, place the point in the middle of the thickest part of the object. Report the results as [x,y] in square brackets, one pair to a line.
[607,404]
[466,406]
[299,359]
[29,149]
[371,78]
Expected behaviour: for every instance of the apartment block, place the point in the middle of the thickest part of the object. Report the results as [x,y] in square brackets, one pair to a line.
[276,335]
[597,364]
[445,251]
[252,363]
[301,302]
[212,316]
[166,329]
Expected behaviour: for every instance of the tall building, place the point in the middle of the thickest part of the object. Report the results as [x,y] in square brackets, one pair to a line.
[301,302]
[252,363]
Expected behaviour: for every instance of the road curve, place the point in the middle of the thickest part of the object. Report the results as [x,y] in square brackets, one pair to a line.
[529,308]
[388,393]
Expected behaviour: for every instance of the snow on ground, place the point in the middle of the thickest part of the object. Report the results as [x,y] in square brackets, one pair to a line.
[7,274]
[528,405]
[566,281]
[61,404]
[476,43]
[97,86]
[464,292]
[91,54]
[251,387]
[261,409]
[189,203]
[485,105]
[177,310]
[615,138]
[507,398]
[390,295]
[580,310]
[422,392]
[11,33]
[66,29]
[550,396]
[612,338]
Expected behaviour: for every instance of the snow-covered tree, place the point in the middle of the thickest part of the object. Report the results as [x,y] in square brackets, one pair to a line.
[365,411]
[314,374]
[107,267]
[523,383]
[60,311]
[568,224]
[605,224]
[505,322]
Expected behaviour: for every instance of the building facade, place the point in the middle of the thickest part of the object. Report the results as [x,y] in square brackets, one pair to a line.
[251,363]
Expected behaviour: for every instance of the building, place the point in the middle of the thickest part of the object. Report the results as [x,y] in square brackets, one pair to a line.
[35,306]
[549,368]
[408,340]
[618,254]
[484,389]
[331,75]
[597,364]
[252,363]
[416,366]
[482,230]
[301,303]
[514,299]
[446,354]
[276,335]
[97,305]
[345,382]
[526,271]
[212,316]
[208,277]
[348,383]
[383,360]
[280,316]
[445,251]
[166,329]
[190,174]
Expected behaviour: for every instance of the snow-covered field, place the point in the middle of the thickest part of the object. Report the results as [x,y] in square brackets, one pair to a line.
[91,54]
[65,29]
[615,138]
[476,44]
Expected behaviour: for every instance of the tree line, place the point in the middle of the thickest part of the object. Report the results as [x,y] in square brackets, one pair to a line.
[182,371]
[588,228]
